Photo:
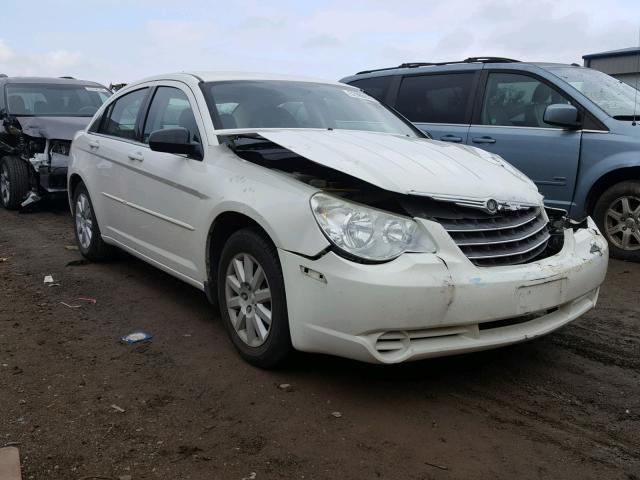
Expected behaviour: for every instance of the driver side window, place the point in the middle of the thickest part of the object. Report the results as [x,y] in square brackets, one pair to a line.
[170,108]
[515,100]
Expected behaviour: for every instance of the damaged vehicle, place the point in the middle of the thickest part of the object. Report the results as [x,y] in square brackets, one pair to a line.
[39,118]
[319,220]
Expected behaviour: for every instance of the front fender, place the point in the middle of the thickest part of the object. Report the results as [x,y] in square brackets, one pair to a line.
[601,155]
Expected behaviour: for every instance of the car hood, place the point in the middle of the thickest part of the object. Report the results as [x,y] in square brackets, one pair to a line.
[59,128]
[415,166]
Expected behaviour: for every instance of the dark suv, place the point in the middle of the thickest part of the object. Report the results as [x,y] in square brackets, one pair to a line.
[39,117]
[571,129]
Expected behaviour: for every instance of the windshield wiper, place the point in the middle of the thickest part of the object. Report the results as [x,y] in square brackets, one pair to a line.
[625,117]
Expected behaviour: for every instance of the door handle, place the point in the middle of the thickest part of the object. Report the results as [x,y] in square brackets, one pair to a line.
[484,139]
[136,157]
[94,144]
[451,138]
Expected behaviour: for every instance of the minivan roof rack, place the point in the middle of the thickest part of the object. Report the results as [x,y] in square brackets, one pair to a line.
[68,77]
[433,64]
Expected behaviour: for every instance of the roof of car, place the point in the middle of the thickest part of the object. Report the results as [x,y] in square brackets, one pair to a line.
[212,76]
[472,63]
[48,80]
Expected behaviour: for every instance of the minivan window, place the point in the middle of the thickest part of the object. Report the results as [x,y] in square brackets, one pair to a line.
[615,97]
[122,115]
[515,100]
[170,108]
[291,104]
[435,98]
[376,86]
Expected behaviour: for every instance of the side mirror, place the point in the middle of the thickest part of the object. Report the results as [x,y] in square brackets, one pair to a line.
[562,115]
[174,140]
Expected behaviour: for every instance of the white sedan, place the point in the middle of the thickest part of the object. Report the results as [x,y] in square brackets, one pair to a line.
[319,220]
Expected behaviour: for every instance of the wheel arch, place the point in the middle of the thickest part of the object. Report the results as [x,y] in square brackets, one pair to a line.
[222,227]
[607,180]
[72,184]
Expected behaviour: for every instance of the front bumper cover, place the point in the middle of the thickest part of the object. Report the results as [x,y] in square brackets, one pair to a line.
[428,305]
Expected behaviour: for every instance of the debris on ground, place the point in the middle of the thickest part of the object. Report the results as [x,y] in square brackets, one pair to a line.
[48,279]
[70,306]
[10,463]
[71,247]
[136,337]
[3,259]
[92,301]
[336,414]
[441,467]
[117,408]
[287,387]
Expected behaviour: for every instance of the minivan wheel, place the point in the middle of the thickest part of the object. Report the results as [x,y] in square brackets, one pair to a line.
[617,213]
[86,227]
[252,299]
[14,182]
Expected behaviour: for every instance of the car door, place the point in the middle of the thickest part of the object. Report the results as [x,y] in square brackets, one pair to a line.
[108,144]
[164,190]
[440,104]
[510,123]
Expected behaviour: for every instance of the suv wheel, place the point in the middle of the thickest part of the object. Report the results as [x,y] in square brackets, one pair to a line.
[617,213]
[86,227]
[252,299]
[14,182]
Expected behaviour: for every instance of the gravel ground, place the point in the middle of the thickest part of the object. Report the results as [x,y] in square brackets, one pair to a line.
[81,405]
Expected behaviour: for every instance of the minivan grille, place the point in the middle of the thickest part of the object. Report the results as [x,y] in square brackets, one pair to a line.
[508,238]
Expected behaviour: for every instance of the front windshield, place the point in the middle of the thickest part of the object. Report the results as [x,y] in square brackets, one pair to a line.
[616,98]
[287,104]
[54,100]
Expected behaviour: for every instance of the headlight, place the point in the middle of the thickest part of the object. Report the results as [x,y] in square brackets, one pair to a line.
[368,233]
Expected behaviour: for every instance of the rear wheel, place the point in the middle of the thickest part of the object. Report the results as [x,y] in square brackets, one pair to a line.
[14,182]
[617,213]
[252,299]
[87,231]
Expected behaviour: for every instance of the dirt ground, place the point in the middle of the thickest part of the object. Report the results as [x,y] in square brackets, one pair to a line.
[82,405]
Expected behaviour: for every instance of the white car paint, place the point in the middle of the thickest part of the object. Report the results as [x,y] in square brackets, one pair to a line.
[161,207]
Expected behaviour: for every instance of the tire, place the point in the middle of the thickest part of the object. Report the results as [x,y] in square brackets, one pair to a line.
[14,182]
[86,228]
[244,304]
[617,214]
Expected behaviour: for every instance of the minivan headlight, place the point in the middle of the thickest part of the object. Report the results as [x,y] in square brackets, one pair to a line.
[368,233]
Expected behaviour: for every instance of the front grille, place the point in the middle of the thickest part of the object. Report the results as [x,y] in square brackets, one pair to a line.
[508,238]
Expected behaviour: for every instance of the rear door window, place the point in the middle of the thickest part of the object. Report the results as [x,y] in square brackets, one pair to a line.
[122,115]
[443,98]
[377,87]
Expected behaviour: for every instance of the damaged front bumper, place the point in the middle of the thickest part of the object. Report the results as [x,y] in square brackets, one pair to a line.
[428,305]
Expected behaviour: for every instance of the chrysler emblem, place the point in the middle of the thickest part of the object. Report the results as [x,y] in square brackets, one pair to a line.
[491,206]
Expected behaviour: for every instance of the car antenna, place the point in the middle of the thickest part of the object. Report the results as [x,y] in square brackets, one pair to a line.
[635,98]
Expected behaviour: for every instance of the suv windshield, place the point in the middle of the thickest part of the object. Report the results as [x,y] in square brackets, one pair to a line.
[289,104]
[54,100]
[616,98]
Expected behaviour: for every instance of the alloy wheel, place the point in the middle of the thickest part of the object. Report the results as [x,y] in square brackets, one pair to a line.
[84,221]
[622,222]
[248,299]
[5,185]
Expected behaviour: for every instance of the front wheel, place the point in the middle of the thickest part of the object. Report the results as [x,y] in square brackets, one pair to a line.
[252,299]
[14,182]
[617,213]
